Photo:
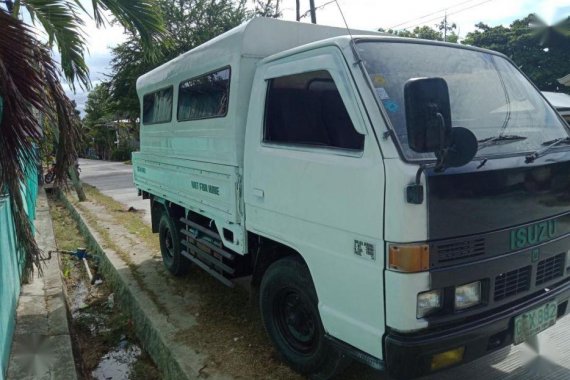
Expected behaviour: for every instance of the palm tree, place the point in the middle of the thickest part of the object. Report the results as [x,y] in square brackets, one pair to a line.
[31,92]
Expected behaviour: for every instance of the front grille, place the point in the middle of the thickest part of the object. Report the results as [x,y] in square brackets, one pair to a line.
[512,283]
[549,269]
[460,250]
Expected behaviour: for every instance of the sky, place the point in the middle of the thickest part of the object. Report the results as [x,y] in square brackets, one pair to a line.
[359,14]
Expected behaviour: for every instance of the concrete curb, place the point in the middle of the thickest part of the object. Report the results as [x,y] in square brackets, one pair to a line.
[146,322]
[42,312]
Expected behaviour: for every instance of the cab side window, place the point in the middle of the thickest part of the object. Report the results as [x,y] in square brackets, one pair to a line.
[307,109]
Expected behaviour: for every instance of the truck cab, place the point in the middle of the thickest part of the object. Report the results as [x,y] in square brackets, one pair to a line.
[400,202]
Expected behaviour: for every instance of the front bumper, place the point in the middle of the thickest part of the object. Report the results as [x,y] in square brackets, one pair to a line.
[408,356]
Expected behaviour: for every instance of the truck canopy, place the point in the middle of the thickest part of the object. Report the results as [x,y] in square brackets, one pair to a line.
[230,57]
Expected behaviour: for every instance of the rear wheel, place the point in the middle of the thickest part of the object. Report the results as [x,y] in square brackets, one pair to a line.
[169,237]
[288,303]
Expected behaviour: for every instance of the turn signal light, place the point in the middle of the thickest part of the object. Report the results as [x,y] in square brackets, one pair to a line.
[447,358]
[408,257]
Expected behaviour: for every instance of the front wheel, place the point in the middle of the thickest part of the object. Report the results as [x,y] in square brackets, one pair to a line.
[169,238]
[288,303]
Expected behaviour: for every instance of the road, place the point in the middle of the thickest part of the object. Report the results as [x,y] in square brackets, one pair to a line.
[114,179]
[553,363]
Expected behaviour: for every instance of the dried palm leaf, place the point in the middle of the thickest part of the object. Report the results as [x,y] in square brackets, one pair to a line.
[30,88]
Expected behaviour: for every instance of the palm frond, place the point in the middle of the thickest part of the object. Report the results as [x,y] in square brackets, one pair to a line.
[63,25]
[141,16]
[21,89]
[30,89]
[61,114]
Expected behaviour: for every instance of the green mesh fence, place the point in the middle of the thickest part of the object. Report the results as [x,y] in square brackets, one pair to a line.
[11,264]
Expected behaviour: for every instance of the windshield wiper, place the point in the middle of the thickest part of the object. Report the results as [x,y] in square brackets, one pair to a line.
[549,145]
[505,139]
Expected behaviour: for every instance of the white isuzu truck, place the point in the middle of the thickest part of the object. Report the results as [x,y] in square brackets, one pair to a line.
[401,202]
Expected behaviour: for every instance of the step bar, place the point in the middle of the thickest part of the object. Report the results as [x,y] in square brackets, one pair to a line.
[213,259]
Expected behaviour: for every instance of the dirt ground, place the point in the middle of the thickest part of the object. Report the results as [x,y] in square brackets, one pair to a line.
[228,329]
[105,345]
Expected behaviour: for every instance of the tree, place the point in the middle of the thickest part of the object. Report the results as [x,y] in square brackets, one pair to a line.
[543,59]
[448,30]
[268,8]
[426,33]
[99,114]
[31,92]
[189,24]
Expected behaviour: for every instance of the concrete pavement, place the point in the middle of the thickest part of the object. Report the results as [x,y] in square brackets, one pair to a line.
[42,344]
[114,179]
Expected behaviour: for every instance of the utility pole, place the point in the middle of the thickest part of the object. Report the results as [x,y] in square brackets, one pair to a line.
[445,27]
[298,10]
[313,12]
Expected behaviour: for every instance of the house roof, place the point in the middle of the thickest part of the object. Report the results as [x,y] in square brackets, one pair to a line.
[559,100]
[565,80]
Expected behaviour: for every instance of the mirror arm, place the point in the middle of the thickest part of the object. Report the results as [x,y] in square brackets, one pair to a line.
[442,153]
[415,191]
[419,174]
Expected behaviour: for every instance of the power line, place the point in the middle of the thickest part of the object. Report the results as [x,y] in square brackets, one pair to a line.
[453,13]
[430,14]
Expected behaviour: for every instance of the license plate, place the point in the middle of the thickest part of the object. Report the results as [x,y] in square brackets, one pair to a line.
[532,322]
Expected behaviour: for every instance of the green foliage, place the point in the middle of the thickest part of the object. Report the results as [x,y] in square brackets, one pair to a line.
[98,123]
[427,33]
[32,93]
[539,53]
[99,107]
[123,153]
[268,8]
[61,20]
[62,24]
[189,23]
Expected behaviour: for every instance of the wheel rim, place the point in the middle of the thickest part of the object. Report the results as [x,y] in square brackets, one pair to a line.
[296,321]
[168,243]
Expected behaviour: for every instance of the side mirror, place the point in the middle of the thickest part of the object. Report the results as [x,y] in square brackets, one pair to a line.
[428,114]
[428,120]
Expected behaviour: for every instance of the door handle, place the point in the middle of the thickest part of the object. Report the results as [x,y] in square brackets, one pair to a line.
[258,193]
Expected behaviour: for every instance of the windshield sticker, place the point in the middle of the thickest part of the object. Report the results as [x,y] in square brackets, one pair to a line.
[391,105]
[382,94]
[378,80]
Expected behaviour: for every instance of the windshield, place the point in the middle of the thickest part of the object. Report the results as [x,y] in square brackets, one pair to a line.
[488,94]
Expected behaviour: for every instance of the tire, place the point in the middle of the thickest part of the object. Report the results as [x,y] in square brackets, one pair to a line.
[288,303]
[169,237]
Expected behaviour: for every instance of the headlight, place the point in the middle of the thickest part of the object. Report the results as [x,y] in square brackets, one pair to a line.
[467,295]
[428,302]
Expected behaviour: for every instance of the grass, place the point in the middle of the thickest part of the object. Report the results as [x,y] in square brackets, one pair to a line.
[134,224]
[111,325]
[130,220]
[230,329]
[67,235]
